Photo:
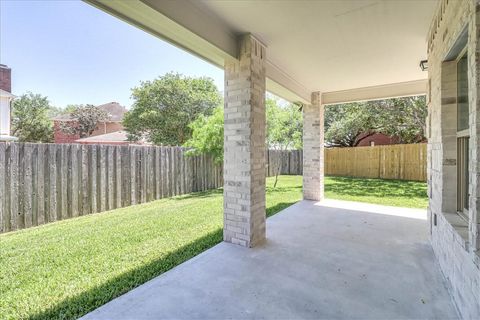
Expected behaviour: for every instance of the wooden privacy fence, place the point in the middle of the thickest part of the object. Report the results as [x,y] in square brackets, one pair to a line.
[287,162]
[400,161]
[42,183]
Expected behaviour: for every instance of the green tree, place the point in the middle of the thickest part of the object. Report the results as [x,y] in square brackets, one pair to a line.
[346,125]
[405,118]
[164,108]
[30,118]
[56,111]
[86,119]
[284,125]
[284,129]
[207,135]
[70,108]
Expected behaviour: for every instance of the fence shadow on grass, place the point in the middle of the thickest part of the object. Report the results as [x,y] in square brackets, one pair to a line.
[376,187]
[198,194]
[93,298]
[287,189]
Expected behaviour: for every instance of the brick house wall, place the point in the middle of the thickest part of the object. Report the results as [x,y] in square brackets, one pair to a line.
[379,139]
[5,78]
[62,137]
[107,128]
[455,240]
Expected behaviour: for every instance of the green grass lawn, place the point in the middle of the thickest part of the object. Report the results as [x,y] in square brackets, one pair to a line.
[68,268]
[411,194]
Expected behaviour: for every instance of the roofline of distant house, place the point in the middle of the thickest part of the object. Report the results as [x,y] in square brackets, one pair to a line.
[67,120]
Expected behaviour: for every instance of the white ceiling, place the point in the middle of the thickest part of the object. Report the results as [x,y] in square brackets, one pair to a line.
[335,45]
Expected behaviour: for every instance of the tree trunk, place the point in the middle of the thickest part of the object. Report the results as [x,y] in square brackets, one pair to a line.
[277,171]
[366,136]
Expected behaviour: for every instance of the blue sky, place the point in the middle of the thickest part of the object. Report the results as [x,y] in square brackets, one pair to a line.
[76,54]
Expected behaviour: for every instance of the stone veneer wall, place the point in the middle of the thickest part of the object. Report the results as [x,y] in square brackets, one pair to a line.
[454,241]
[244,145]
[313,151]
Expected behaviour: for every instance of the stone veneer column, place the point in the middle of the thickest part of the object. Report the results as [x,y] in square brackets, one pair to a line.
[474,165]
[244,145]
[313,164]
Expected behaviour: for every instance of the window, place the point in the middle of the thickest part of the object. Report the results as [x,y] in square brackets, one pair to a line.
[462,93]
[462,135]
[462,170]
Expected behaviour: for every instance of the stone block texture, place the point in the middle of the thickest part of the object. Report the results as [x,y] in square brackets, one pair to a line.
[313,153]
[455,240]
[244,145]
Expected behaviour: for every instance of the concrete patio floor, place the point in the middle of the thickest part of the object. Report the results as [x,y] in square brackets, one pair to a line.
[331,259]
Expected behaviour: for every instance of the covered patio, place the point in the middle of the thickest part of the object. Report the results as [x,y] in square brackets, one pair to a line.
[331,259]
[340,262]
[329,52]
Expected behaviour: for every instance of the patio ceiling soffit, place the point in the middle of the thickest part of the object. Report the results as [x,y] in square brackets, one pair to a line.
[186,26]
[394,90]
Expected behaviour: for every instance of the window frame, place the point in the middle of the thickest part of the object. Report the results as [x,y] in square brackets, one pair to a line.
[463,139]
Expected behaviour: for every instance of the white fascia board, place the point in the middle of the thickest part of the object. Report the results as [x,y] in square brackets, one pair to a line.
[394,90]
[143,16]
[198,27]
[186,26]
[282,85]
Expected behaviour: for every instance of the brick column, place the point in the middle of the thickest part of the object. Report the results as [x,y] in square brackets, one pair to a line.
[313,164]
[244,145]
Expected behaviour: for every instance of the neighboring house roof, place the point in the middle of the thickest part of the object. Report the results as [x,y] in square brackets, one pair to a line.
[112,137]
[7,94]
[114,109]
[62,117]
[117,136]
